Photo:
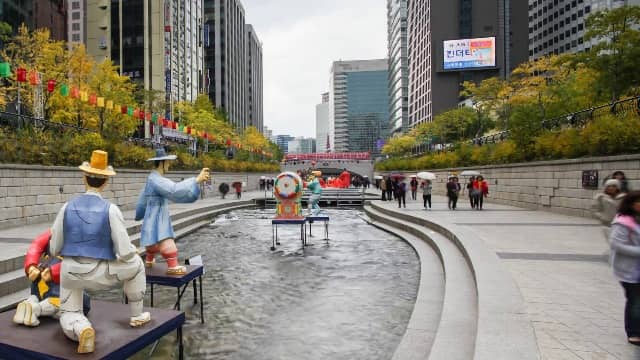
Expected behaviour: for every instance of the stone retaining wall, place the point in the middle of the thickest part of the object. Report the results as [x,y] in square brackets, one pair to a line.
[546,185]
[33,194]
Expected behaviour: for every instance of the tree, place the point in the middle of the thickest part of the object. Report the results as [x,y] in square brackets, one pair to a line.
[491,97]
[457,124]
[399,145]
[616,55]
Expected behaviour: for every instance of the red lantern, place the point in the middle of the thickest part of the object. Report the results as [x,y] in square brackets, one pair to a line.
[174,125]
[51,86]
[228,142]
[75,92]
[136,113]
[21,74]
[189,130]
[93,99]
[148,116]
[34,78]
[123,109]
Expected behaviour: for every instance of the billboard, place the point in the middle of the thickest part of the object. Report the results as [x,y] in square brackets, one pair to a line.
[464,54]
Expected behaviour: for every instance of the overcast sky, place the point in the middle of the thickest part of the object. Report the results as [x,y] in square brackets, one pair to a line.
[300,40]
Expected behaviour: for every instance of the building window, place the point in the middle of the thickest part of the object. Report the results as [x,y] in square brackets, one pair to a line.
[75,37]
[75,26]
[587,9]
[75,5]
[75,15]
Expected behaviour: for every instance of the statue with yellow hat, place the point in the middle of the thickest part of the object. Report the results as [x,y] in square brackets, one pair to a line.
[153,209]
[90,233]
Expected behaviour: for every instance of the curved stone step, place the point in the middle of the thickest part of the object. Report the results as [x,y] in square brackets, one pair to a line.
[504,331]
[455,334]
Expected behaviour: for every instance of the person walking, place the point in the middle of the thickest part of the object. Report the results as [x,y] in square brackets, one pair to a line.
[401,192]
[622,178]
[480,191]
[414,188]
[238,186]
[605,204]
[453,189]
[383,188]
[389,188]
[426,193]
[625,261]
[470,191]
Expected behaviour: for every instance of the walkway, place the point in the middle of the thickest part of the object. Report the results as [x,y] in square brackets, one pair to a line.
[560,265]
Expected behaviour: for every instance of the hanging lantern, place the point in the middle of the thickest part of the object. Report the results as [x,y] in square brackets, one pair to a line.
[154,118]
[93,99]
[51,86]
[109,105]
[130,111]
[147,116]
[64,90]
[5,69]
[174,125]
[117,108]
[188,130]
[75,92]
[136,113]
[21,75]
[34,78]
[123,109]
[228,142]
[84,96]
[100,102]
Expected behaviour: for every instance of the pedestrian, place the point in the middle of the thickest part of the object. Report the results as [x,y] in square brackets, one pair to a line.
[453,189]
[414,188]
[383,188]
[262,184]
[426,192]
[480,191]
[470,191]
[605,204]
[624,184]
[238,186]
[401,193]
[389,189]
[625,261]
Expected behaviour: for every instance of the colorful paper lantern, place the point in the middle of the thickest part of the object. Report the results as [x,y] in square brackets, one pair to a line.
[84,96]
[100,102]
[5,69]
[117,109]
[64,90]
[130,111]
[51,86]
[75,92]
[21,75]
[109,105]
[154,118]
[136,113]
[124,109]
[93,99]
[34,78]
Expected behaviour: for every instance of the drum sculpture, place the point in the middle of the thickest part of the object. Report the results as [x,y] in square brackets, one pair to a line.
[288,190]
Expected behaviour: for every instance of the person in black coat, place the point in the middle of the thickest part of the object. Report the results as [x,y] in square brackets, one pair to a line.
[389,189]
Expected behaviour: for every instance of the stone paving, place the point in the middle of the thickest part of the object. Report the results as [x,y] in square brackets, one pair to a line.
[560,265]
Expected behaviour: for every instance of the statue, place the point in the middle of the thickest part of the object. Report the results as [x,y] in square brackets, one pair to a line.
[157,233]
[45,284]
[91,235]
[316,192]
[288,191]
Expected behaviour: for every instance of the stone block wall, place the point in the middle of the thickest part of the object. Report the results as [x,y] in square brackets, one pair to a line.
[33,194]
[546,185]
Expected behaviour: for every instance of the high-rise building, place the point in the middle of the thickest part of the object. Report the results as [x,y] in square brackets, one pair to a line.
[156,43]
[76,22]
[254,87]
[358,105]
[16,13]
[322,125]
[51,14]
[450,42]
[398,65]
[268,133]
[557,27]
[226,58]
[301,145]
[283,142]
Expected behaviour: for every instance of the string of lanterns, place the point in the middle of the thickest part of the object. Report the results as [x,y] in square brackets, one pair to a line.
[34,79]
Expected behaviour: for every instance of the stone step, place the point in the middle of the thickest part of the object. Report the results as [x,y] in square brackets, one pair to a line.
[10,301]
[13,281]
[456,330]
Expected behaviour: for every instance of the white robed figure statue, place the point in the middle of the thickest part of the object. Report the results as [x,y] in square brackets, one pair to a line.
[90,233]
[316,193]
[153,206]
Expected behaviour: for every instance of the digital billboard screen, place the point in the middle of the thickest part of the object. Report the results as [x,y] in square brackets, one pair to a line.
[465,54]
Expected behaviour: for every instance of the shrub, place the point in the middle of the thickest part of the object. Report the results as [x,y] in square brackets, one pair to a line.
[610,134]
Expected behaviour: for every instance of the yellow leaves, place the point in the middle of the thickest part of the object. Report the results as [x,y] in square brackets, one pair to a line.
[399,145]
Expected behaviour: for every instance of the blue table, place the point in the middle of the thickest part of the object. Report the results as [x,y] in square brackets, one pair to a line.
[157,275]
[325,219]
[274,230]
[115,339]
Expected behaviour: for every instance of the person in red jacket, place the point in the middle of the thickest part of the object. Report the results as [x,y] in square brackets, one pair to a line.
[43,271]
[480,191]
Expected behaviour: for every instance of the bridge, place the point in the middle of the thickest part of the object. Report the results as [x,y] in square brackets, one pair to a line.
[331,164]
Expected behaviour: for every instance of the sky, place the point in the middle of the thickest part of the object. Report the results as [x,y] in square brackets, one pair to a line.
[300,40]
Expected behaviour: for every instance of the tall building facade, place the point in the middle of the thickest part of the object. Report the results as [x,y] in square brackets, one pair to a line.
[51,14]
[301,145]
[558,26]
[16,12]
[322,125]
[283,142]
[497,27]
[156,43]
[254,87]
[398,65]
[76,22]
[226,58]
[358,105]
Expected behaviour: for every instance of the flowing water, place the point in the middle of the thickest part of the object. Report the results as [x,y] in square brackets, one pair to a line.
[348,298]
